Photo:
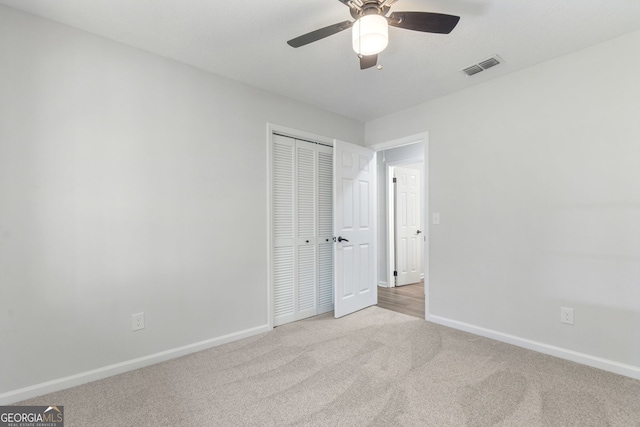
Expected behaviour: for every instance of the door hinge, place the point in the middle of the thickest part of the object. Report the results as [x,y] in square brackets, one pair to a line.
[395,274]
[394,180]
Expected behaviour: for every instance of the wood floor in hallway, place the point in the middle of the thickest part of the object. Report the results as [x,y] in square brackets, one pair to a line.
[408,299]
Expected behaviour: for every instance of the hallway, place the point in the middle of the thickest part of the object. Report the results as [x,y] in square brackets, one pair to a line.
[407,299]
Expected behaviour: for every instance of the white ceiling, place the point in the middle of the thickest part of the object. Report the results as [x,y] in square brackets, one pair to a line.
[246,41]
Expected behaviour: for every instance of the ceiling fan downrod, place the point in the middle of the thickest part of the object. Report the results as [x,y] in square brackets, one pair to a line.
[360,5]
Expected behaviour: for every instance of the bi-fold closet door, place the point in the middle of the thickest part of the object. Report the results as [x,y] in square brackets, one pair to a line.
[302,229]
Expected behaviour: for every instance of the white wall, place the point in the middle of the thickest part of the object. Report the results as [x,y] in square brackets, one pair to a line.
[128,182]
[536,177]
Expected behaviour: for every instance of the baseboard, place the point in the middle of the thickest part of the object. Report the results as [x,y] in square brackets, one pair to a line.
[383,284]
[563,353]
[119,368]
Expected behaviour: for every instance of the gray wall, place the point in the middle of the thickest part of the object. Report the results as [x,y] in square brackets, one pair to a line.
[128,182]
[536,177]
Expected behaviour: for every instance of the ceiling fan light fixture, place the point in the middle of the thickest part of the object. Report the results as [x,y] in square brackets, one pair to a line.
[370,35]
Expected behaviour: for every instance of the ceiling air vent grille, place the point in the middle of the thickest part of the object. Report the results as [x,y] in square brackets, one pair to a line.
[483,65]
[491,62]
[474,69]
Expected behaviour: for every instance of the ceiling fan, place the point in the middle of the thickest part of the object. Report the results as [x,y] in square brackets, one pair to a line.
[371,25]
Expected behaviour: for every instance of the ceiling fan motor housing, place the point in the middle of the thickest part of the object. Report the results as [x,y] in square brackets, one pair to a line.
[360,8]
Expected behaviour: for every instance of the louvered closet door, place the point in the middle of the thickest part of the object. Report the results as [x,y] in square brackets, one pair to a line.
[325,229]
[302,192]
[306,214]
[283,229]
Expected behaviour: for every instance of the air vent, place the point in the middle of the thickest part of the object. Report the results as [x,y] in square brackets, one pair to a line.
[474,69]
[483,65]
[491,62]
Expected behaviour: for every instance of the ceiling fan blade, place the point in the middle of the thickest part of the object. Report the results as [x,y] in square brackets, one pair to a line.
[345,2]
[427,22]
[368,61]
[319,34]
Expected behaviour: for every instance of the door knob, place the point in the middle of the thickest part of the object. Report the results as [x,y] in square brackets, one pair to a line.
[342,239]
[419,231]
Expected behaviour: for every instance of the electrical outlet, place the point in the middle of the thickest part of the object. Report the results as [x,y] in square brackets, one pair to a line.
[137,321]
[566,315]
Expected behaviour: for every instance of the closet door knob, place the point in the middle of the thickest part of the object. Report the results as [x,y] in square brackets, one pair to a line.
[342,239]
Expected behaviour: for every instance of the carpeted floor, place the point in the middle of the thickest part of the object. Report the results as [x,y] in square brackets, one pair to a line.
[372,368]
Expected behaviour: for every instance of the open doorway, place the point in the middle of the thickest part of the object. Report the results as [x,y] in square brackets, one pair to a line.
[389,162]
[395,253]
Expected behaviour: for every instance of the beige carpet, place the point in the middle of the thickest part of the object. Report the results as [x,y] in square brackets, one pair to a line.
[372,368]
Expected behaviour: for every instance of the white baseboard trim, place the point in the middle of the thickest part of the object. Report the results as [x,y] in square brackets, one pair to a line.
[563,353]
[383,284]
[119,368]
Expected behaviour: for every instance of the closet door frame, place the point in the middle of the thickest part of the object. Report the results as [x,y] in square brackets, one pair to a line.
[295,134]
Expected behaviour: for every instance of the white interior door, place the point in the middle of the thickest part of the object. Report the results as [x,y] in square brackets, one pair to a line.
[408,231]
[307,222]
[302,229]
[354,227]
[283,230]
[325,229]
